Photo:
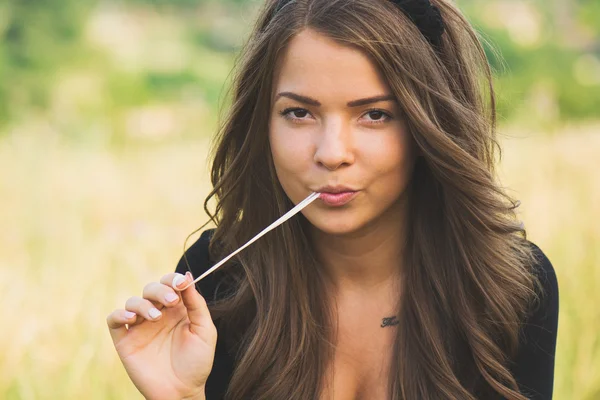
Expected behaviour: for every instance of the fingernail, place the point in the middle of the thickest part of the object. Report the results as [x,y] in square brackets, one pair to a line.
[129,314]
[178,280]
[171,297]
[153,313]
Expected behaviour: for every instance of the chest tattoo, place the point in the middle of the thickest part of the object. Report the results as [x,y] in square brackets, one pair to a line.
[389,321]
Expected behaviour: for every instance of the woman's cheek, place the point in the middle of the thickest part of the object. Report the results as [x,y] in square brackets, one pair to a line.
[291,152]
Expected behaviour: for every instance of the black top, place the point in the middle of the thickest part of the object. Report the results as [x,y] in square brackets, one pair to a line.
[533,367]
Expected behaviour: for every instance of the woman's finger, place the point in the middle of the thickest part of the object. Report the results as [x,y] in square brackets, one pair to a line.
[116,322]
[200,320]
[160,293]
[142,307]
[168,279]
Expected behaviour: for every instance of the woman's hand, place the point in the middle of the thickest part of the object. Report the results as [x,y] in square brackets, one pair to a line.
[166,339]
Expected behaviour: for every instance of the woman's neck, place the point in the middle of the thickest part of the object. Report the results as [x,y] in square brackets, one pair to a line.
[367,259]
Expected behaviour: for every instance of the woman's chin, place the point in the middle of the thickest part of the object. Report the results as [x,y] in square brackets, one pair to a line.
[335,226]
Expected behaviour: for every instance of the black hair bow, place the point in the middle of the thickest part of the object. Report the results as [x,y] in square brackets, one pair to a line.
[425,16]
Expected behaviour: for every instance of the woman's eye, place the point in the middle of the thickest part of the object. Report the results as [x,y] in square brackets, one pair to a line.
[378,116]
[294,113]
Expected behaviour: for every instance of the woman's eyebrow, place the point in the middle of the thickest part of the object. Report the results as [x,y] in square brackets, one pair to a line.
[353,103]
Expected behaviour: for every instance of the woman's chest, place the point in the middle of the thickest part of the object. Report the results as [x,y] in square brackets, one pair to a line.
[362,361]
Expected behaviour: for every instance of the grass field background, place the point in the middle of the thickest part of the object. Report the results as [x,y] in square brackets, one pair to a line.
[85,227]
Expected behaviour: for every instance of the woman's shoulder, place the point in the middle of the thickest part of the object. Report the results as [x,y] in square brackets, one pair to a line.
[197,255]
[196,259]
[544,271]
[544,311]
[533,366]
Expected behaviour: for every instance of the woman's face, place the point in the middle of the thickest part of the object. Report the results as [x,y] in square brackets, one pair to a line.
[334,122]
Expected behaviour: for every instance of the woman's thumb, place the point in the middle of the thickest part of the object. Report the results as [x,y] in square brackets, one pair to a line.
[197,309]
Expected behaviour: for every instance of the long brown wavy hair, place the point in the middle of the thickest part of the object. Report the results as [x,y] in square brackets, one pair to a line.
[468,280]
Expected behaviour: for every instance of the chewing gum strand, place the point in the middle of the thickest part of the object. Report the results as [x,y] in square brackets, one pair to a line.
[312,197]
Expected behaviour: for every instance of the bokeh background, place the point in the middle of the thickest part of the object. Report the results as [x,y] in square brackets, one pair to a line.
[106,113]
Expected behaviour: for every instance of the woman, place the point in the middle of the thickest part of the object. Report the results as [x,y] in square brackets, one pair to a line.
[414,281]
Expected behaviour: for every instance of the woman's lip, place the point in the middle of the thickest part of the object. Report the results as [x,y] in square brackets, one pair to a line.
[337,199]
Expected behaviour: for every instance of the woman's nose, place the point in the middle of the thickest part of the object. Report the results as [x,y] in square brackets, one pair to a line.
[334,146]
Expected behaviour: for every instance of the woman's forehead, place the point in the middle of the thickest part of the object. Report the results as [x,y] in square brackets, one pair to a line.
[317,66]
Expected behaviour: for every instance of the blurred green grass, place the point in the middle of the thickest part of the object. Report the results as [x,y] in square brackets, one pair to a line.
[86,227]
[99,69]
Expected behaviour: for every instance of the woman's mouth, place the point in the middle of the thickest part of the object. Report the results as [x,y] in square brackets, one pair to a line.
[337,199]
